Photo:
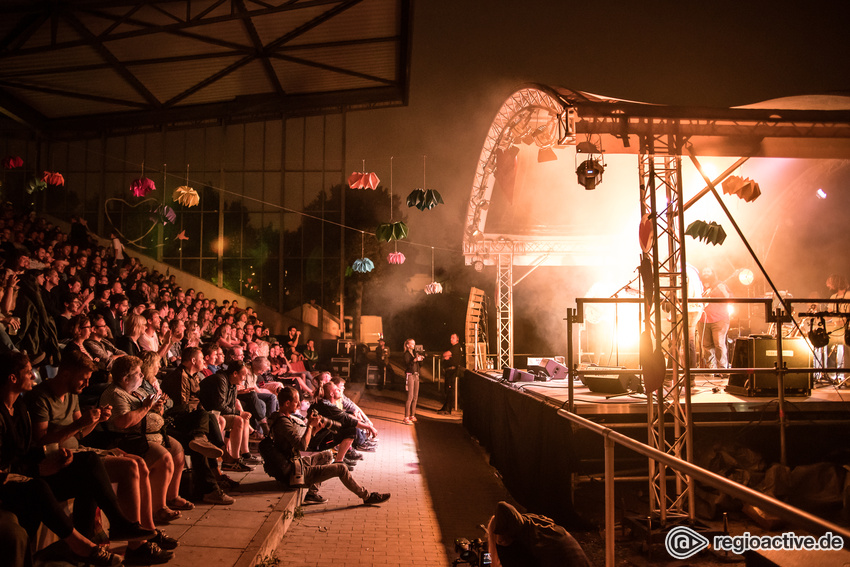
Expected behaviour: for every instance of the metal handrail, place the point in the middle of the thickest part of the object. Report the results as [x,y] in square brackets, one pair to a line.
[784,511]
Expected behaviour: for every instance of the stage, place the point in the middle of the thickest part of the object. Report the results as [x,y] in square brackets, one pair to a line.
[539,454]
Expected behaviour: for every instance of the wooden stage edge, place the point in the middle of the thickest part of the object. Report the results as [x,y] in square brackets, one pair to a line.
[709,402]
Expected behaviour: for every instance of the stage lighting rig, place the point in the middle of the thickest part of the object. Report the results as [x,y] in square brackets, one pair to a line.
[589,172]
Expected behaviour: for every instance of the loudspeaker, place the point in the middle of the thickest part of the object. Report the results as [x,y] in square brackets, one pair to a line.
[514,375]
[549,370]
[612,384]
[758,352]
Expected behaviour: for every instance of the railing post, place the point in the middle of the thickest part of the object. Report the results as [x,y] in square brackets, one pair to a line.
[609,502]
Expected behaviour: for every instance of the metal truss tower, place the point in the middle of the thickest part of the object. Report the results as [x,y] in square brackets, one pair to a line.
[662,206]
[505,309]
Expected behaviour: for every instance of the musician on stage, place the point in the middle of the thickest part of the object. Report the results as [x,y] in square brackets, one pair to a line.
[837,284]
[716,321]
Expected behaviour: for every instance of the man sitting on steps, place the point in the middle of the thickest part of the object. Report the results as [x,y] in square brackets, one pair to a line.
[290,435]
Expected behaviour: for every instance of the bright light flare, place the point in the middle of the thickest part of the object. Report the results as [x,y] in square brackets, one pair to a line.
[821,194]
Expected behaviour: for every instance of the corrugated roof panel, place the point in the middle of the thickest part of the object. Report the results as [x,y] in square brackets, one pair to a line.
[167,80]
[378,60]
[20,65]
[101,82]
[56,106]
[248,80]
[272,26]
[371,18]
[301,79]
[161,45]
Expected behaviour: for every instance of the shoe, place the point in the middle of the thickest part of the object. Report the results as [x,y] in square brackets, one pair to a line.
[366,448]
[148,553]
[236,466]
[314,498]
[413,418]
[165,515]
[227,483]
[407,421]
[164,541]
[202,446]
[376,498]
[353,455]
[348,461]
[180,504]
[98,557]
[129,531]
[348,464]
[217,496]
[250,459]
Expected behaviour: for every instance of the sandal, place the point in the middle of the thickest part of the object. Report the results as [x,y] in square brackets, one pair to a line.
[180,504]
[165,515]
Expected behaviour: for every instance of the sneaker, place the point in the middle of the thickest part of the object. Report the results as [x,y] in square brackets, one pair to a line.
[407,421]
[217,496]
[366,448]
[129,531]
[314,498]
[148,553]
[202,446]
[376,498]
[350,462]
[353,455]
[250,459]
[413,418]
[227,483]
[164,541]
[236,466]
[98,557]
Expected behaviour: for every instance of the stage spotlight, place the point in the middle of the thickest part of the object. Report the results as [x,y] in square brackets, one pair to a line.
[745,276]
[478,265]
[587,147]
[546,154]
[589,173]
[821,194]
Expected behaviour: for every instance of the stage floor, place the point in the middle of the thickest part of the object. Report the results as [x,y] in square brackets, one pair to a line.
[709,401]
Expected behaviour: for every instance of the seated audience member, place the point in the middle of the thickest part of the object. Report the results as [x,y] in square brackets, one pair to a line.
[196,428]
[177,329]
[213,358]
[310,356]
[119,306]
[57,418]
[291,434]
[37,333]
[149,339]
[29,502]
[362,442]
[291,346]
[99,345]
[217,393]
[151,364]
[138,423]
[134,327]
[344,437]
[528,539]
[259,401]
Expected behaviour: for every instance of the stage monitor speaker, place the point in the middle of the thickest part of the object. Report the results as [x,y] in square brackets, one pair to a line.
[758,352]
[612,384]
[514,375]
[548,369]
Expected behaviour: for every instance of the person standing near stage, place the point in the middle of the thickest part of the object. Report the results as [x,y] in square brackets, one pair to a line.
[382,360]
[453,360]
[716,321]
[837,284]
[411,369]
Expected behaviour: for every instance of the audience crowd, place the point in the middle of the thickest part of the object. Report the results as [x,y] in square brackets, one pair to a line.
[114,375]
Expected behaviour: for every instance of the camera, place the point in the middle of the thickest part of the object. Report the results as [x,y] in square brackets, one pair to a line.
[471,552]
[329,424]
[419,349]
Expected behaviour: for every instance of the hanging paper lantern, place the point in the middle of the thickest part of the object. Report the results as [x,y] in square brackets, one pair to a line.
[35,184]
[363,180]
[363,265]
[710,232]
[186,196]
[142,186]
[424,199]
[391,231]
[743,187]
[164,214]
[53,178]
[12,162]
[433,287]
[395,258]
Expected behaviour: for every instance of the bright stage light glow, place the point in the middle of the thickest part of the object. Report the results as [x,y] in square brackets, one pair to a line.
[821,194]
[730,309]
[745,276]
